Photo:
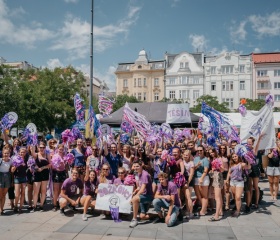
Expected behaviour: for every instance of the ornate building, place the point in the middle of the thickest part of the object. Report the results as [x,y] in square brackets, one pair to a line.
[184,77]
[228,76]
[143,78]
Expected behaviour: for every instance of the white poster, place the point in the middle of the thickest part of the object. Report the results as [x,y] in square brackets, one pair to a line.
[112,196]
[255,123]
[178,113]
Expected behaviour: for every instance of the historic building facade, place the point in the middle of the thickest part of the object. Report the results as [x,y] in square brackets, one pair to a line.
[143,78]
[228,76]
[184,77]
[266,76]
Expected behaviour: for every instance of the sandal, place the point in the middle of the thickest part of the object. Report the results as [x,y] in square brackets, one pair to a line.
[212,219]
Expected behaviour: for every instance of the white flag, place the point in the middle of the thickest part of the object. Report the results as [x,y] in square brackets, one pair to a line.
[255,123]
[178,113]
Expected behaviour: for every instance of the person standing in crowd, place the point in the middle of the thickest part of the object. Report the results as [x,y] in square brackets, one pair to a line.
[126,156]
[105,174]
[69,191]
[59,174]
[79,161]
[112,157]
[90,190]
[20,179]
[143,194]
[41,175]
[166,197]
[191,147]
[202,180]
[235,176]
[94,160]
[273,170]
[121,176]
[5,177]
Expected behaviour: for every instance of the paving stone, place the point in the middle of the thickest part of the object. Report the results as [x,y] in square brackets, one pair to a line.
[219,230]
[219,236]
[176,235]
[71,229]
[124,232]
[61,236]
[100,230]
[114,238]
[265,232]
[246,231]
[195,229]
[13,235]
[83,236]
[34,235]
[196,236]
[151,233]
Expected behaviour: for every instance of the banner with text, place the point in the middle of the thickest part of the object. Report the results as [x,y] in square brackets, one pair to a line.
[178,113]
[112,196]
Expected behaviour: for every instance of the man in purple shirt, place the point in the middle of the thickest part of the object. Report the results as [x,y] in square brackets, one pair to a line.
[143,194]
[166,197]
[69,189]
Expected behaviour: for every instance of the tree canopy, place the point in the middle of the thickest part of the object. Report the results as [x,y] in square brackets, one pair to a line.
[212,102]
[122,99]
[255,104]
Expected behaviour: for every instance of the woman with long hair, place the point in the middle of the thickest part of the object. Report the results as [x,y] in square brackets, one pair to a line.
[105,175]
[41,175]
[59,174]
[235,176]
[79,161]
[127,156]
[94,159]
[90,190]
[5,177]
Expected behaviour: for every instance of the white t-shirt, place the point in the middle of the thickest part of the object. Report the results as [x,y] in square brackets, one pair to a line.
[5,166]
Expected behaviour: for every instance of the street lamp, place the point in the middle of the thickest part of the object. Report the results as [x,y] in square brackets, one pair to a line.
[91,58]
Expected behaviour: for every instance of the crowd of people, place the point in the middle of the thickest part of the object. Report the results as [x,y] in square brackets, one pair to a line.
[178,178]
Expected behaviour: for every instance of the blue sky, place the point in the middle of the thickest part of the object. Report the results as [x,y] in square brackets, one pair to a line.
[57,32]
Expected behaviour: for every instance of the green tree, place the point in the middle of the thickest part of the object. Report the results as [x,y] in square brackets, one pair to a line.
[255,104]
[212,102]
[122,99]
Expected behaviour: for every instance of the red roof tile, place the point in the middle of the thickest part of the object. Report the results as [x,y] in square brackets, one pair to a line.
[266,57]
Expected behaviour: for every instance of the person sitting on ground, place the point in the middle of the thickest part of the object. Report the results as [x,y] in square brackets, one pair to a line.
[68,192]
[166,197]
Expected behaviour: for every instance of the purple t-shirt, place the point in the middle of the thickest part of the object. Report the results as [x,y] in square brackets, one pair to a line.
[170,189]
[90,187]
[110,179]
[236,173]
[118,181]
[145,178]
[71,186]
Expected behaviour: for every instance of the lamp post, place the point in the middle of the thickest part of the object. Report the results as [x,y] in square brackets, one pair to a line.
[91,58]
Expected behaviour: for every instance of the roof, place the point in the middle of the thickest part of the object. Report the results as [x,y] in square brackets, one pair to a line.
[154,112]
[266,57]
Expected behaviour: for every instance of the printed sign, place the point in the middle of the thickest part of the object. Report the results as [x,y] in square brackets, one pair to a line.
[111,196]
[178,113]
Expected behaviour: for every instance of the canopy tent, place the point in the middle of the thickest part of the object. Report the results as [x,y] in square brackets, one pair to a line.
[154,112]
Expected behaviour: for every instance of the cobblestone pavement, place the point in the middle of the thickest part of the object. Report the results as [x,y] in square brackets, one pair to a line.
[263,223]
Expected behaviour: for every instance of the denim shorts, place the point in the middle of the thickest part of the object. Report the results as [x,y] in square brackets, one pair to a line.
[20,180]
[235,183]
[145,202]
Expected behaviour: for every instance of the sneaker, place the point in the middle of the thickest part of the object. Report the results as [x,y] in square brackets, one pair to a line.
[254,206]
[55,208]
[33,210]
[62,212]
[189,216]
[15,210]
[84,217]
[41,209]
[158,220]
[133,223]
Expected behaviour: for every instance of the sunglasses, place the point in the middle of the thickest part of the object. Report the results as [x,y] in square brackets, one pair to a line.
[42,147]
[200,150]
[95,149]
[223,148]
[105,169]
[120,172]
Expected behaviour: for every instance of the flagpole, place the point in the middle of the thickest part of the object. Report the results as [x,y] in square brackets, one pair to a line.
[91,58]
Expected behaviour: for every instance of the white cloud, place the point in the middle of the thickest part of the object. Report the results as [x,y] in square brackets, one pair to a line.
[54,63]
[71,1]
[174,3]
[216,51]
[268,25]
[238,33]
[257,50]
[13,34]
[198,42]
[75,35]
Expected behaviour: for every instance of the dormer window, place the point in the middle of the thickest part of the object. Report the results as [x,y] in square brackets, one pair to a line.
[139,67]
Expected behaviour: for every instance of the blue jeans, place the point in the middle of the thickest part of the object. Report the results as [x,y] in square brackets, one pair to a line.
[162,203]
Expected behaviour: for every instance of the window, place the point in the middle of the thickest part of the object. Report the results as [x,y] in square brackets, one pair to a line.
[144,96]
[156,82]
[125,83]
[184,64]
[242,85]
[227,69]
[276,73]
[181,65]
[144,82]
[277,85]
[184,79]
[227,86]
[172,94]
[156,97]
[213,70]
[261,97]
[213,86]
[139,82]
[263,85]
[135,82]
[229,102]
[277,98]
[139,96]
[195,80]
[183,94]
[172,81]
[262,73]
[241,68]
[195,94]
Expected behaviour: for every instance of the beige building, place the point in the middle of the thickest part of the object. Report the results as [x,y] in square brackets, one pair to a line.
[143,79]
